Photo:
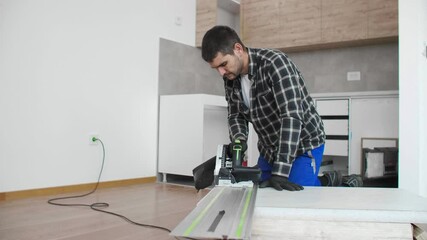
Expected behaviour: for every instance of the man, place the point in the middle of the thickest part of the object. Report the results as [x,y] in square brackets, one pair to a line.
[264,87]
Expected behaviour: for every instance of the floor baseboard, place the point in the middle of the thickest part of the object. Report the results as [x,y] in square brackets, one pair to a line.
[4,196]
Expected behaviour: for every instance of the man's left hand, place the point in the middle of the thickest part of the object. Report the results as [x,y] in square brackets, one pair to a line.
[279,183]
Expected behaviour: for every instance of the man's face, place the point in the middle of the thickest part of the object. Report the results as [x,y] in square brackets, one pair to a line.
[229,66]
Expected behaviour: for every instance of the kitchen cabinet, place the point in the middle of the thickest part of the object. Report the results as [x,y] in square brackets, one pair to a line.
[191,126]
[382,18]
[293,25]
[372,117]
[206,16]
[215,12]
[335,117]
[344,20]
[352,116]
[348,20]
[280,23]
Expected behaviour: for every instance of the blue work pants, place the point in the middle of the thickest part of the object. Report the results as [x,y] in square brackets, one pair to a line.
[305,168]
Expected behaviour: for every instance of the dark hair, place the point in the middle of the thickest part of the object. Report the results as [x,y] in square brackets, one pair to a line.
[219,39]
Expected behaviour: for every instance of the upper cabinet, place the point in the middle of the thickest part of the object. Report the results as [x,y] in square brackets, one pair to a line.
[349,20]
[206,16]
[314,24]
[344,20]
[295,25]
[382,18]
[273,23]
[216,12]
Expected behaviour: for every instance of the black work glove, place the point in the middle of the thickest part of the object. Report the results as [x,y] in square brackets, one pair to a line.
[279,183]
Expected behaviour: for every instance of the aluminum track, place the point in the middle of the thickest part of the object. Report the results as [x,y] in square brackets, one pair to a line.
[224,213]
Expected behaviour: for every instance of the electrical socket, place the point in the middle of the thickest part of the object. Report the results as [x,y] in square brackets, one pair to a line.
[92,137]
[353,76]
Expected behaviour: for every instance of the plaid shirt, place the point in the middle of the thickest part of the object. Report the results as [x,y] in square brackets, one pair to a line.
[281,110]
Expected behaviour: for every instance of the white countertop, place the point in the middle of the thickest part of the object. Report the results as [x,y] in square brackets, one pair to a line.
[342,204]
[364,94]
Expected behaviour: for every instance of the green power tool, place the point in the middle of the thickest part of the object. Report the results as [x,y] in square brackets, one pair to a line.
[226,168]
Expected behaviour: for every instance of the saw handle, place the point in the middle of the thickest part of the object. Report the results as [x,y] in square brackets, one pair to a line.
[238,148]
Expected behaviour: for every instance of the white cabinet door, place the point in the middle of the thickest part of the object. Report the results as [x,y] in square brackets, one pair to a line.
[366,115]
[190,129]
[333,107]
[336,127]
[375,118]
[336,148]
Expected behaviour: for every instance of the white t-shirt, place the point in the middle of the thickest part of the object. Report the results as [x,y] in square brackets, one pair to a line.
[246,87]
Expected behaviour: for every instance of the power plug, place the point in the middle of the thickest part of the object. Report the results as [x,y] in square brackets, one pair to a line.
[93,137]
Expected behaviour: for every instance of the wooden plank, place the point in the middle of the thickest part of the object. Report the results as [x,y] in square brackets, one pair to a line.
[268,228]
[346,204]
[337,213]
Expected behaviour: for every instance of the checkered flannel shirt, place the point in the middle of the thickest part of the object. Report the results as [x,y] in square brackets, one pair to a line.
[281,110]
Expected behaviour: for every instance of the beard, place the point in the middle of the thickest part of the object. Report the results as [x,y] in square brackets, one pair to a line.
[230,76]
[233,74]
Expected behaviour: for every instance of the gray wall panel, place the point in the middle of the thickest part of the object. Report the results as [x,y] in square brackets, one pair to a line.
[325,71]
[183,71]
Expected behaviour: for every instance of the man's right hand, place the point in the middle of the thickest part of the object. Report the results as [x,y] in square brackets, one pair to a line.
[241,144]
[279,183]
[237,151]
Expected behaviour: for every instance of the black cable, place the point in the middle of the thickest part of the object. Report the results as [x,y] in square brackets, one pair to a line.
[52,201]
[96,206]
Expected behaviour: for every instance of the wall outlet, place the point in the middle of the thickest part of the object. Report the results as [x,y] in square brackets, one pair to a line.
[353,76]
[92,138]
[178,20]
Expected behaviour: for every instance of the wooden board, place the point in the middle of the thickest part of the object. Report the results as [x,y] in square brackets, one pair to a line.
[337,213]
[389,205]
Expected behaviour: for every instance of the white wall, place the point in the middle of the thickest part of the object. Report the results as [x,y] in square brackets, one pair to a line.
[74,67]
[413,97]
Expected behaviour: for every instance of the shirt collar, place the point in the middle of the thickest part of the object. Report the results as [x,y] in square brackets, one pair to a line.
[252,62]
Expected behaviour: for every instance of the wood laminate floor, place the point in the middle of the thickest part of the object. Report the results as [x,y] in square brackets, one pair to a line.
[159,204]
